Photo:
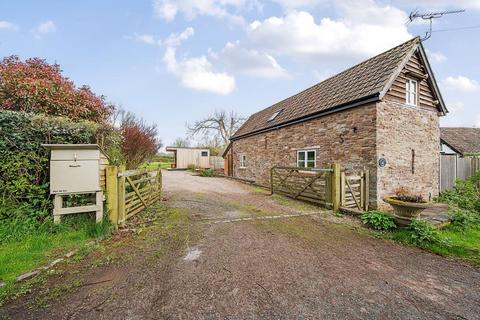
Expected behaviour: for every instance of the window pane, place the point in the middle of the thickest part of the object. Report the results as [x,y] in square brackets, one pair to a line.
[311,155]
[311,164]
[301,163]
[301,155]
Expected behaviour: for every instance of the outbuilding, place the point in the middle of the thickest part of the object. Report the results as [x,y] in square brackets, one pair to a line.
[185,156]
[381,115]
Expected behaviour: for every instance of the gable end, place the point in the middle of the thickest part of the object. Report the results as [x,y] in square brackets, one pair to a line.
[415,66]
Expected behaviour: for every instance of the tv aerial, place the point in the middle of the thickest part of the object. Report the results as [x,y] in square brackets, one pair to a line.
[430,16]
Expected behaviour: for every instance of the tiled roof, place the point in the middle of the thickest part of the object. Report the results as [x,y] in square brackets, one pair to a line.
[463,140]
[364,80]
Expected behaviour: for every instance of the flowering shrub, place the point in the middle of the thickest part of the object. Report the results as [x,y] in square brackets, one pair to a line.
[37,87]
[139,140]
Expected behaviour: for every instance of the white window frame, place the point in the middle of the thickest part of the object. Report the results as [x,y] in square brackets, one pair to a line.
[201,153]
[411,94]
[243,161]
[306,158]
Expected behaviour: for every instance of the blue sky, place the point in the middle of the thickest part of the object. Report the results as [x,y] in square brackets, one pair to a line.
[172,62]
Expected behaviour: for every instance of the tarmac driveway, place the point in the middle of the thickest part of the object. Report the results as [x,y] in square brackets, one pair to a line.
[240,260]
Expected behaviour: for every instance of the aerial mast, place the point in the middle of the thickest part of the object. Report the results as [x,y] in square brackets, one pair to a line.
[430,16]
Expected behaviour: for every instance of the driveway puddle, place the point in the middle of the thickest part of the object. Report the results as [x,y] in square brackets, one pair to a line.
[193,254]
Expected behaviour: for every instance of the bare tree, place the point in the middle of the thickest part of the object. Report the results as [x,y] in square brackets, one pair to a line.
[213,143]
[220,124]
[181,143]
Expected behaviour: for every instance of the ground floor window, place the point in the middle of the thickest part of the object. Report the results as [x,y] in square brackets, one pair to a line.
[306,159]
[243,161]
[204,153]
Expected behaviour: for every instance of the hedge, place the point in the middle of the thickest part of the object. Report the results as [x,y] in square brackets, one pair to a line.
[25,202]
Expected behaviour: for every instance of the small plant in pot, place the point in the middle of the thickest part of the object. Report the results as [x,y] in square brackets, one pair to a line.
[407,206]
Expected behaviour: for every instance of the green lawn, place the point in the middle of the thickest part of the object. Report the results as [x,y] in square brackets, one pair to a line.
[453,242]
[156,165]
[464,244]
[42,247]
[35,250]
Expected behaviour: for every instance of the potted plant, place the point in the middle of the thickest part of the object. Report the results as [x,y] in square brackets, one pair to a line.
[406,206]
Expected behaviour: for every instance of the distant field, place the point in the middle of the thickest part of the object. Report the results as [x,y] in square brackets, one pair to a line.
[156,165]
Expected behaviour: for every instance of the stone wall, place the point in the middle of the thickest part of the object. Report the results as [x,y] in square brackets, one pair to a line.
[347,137]
[408,138]
[357,139]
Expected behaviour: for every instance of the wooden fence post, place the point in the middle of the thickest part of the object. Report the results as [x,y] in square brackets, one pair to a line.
[336,186]
[121,196]
[112,194]
[366,174]
[159,181]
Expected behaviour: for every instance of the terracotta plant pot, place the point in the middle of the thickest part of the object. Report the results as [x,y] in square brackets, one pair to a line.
[406,211]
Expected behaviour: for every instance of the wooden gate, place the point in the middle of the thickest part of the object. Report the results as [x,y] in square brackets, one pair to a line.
[309,184]
[228,165]
[130,192]
[355,190]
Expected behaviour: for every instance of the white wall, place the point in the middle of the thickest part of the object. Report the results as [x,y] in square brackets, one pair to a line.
[187,156]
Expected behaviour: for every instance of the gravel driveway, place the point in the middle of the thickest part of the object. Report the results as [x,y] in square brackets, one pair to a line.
[315,266]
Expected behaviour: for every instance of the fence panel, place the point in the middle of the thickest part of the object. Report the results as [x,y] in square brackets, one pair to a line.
[216,163]
[448,171]
[464,168]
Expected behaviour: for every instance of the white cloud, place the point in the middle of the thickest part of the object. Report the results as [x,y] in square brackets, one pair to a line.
[147,39]
[461,83]
[7,25]
[451,4]
[456,107]
[250,62]
[365,29]
[169,9]
[175,39]
[477,121]
[323,75]
[436,57]
[44,28]
[197,73]
[295,4]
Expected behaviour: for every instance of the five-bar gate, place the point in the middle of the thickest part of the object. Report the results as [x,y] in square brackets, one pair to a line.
[131,191]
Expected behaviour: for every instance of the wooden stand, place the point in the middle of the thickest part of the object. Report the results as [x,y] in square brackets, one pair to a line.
[59,210]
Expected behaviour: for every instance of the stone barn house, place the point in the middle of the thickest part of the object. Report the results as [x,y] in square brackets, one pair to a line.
[382,115]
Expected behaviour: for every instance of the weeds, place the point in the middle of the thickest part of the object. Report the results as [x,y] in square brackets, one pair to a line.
[378,220]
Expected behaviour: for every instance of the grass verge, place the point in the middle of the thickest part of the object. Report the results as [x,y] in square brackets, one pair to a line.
[43,246]
[450,242]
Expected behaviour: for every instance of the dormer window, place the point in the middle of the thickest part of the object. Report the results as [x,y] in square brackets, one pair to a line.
[274,115]
[411,92]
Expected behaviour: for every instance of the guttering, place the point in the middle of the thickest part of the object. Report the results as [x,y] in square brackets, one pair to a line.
[371,98]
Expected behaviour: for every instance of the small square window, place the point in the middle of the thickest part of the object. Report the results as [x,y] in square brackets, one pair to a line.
[411,87]
[243,161]
[306,159]
[204,153]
